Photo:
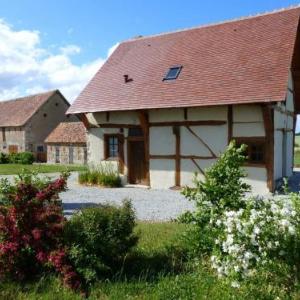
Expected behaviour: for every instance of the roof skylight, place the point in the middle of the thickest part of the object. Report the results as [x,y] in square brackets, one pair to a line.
[173,73]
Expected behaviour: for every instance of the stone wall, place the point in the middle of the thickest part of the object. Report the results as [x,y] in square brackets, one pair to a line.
[65,154]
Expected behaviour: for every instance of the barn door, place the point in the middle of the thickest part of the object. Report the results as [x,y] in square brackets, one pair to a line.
[136,162]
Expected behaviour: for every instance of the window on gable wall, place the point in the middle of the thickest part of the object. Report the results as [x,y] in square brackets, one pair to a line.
[255,149]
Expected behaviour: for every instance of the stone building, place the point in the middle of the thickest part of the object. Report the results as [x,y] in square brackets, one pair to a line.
[166,106]
[66,144]
[26,122]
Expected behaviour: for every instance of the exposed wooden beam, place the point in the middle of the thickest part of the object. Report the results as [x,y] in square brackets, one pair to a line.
[199,138]
[189,123]
[173,156]
[198,166]
[176,131]
[107,115]
[144,122]
[85,121]
[229,122]
[185,113]
[268,116]
[116,125]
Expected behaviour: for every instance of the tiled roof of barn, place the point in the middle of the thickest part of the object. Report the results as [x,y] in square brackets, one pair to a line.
[16,112]
[68,133]
[241,61]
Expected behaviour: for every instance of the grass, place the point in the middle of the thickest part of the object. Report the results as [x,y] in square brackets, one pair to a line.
[12,169]
[154,272]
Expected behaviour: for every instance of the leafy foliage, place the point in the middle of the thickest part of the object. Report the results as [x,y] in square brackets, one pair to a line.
[99,238]
[24,158]
[31,229]
[223,188]
[101,175]
[4,158]
[243,236]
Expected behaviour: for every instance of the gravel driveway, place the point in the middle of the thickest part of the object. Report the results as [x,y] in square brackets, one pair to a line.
[149,204]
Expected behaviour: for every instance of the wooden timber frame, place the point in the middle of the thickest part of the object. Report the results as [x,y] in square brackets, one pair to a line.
[229,122]
[176,125]
[144,123]
[268,117]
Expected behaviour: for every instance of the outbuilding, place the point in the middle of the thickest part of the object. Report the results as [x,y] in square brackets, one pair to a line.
[66,144]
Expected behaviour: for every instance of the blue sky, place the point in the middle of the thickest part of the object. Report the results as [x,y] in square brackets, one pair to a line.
[97,25]
[71,39]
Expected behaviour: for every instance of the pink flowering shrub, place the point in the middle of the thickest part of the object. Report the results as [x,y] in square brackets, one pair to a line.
[31,230]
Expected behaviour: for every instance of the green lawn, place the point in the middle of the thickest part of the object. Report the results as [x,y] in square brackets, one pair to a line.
[297,151]
[10,169]
[154,271]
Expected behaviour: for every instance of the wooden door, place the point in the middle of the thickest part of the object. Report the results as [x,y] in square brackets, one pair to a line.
[136,162]
[13,148]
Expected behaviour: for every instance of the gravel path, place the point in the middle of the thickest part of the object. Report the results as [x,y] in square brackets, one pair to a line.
[149,204]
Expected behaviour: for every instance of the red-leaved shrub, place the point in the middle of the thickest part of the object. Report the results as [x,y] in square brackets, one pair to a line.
[31,232]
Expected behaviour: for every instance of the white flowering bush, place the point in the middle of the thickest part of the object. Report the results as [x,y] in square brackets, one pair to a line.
[264,231]
[241,236]
[222,189]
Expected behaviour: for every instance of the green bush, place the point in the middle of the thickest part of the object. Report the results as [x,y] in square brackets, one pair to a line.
[102,175]
[3,158]
[99,238]
[222,189]
[24,158]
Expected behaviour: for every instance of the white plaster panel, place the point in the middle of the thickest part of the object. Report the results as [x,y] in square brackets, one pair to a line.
[277,155]
[207,113]
[290,81]
[289,154]
[162,173]
[166,115]
[248,129]
[188,170]
[95,145]
[162,141]
[279,119]
[290,101]
[257,178]
[290,122]
[247,113]
[214,136]
[119,117]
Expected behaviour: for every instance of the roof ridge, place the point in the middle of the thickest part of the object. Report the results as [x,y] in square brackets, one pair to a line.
[29,96]
[291,7]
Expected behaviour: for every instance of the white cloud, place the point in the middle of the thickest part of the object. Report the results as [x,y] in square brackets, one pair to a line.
[112,49]
[70,49]
[28,68]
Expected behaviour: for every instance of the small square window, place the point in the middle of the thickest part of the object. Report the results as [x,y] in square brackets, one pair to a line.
[173,73]
[255,150]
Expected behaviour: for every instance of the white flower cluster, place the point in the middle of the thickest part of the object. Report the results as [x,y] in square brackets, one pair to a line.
[248,236]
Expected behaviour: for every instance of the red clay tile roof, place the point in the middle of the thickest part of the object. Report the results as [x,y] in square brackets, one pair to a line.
[17,112]
[68,132]
[243,61]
